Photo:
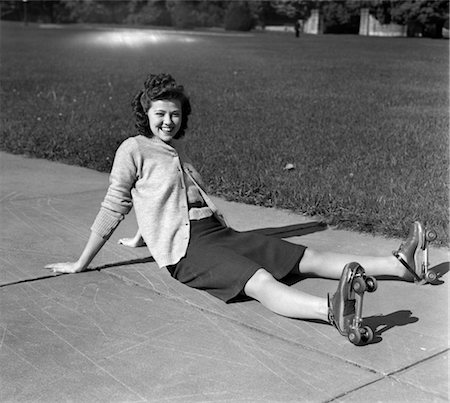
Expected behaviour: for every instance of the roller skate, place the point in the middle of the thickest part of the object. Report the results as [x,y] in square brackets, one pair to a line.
[413,253]
[345,306]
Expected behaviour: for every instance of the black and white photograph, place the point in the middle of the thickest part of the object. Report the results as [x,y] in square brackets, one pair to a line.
[224,201]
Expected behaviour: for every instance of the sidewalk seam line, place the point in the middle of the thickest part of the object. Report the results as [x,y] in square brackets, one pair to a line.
[355,389]
[253,328]
[390,376]
[179,300]
[412,384]
[59,196]
[29,280]
[398,371]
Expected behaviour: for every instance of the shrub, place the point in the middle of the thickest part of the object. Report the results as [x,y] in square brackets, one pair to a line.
[238,17]
[182,14]
[153,13]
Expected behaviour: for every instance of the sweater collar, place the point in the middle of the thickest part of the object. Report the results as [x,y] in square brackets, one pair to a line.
[174,145]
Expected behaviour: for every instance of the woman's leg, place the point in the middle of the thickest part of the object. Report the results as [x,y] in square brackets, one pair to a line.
[285,300]
[293,303]
[290,302]
[330,264]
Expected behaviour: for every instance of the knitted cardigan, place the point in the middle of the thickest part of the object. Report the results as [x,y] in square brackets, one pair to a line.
[148,173]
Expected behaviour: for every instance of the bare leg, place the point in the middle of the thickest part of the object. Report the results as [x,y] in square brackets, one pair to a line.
[330,265]
[285,300]
[293,303]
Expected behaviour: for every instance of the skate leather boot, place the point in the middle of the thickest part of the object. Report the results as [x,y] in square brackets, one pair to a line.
[413,253]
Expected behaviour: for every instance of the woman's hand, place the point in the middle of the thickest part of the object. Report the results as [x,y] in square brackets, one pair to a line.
[66,267]
[132,242]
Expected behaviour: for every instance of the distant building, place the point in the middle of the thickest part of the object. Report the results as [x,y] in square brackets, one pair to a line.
[370,26]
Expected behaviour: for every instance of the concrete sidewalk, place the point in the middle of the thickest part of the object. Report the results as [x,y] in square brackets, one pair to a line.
[129,332]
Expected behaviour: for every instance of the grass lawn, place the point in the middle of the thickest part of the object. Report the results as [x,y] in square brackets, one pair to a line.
[364,120]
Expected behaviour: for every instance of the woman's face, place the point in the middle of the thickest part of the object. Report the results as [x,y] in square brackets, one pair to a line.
[165,118]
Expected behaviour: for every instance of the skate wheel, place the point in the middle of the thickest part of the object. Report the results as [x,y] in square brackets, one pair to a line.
[367,335]
[430,276]
[371,283]
[431,235]
[359,285]
[354,336]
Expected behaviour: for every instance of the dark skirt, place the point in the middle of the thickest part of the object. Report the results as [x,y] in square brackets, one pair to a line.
[221,260]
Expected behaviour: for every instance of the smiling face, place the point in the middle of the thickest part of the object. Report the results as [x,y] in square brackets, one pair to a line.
[164,117]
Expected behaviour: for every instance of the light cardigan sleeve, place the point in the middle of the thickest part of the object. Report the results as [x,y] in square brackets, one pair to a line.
[117,202]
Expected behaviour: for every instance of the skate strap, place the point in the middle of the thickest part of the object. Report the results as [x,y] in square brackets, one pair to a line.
[330,311]
[333,320]
[407,266]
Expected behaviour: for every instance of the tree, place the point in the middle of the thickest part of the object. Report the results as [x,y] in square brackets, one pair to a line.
[209,13]
[182,13]
[43,11]
[264,13]
[295,9]
[11,10]
[428,16]
[341,16]
[380,9]
[96,10]
[152,12]
[238,17]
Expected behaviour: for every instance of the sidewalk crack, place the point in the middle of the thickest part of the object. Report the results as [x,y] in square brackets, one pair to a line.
[392,377]
[236,321]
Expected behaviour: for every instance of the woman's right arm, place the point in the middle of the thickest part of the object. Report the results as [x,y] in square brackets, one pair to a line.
[94,244]
[115,206]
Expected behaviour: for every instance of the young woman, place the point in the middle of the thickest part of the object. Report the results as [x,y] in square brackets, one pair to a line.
[186,234]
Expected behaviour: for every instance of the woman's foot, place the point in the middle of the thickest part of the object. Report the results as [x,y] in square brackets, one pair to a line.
[411,253]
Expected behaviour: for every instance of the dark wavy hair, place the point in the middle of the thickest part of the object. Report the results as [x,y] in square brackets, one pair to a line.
[159,87]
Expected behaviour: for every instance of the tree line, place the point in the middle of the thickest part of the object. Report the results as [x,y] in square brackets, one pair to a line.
[424,17]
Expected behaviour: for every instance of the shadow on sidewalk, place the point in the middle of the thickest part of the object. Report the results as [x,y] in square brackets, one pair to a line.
[382,323]
[440,270]
[147,259]
[291,230]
